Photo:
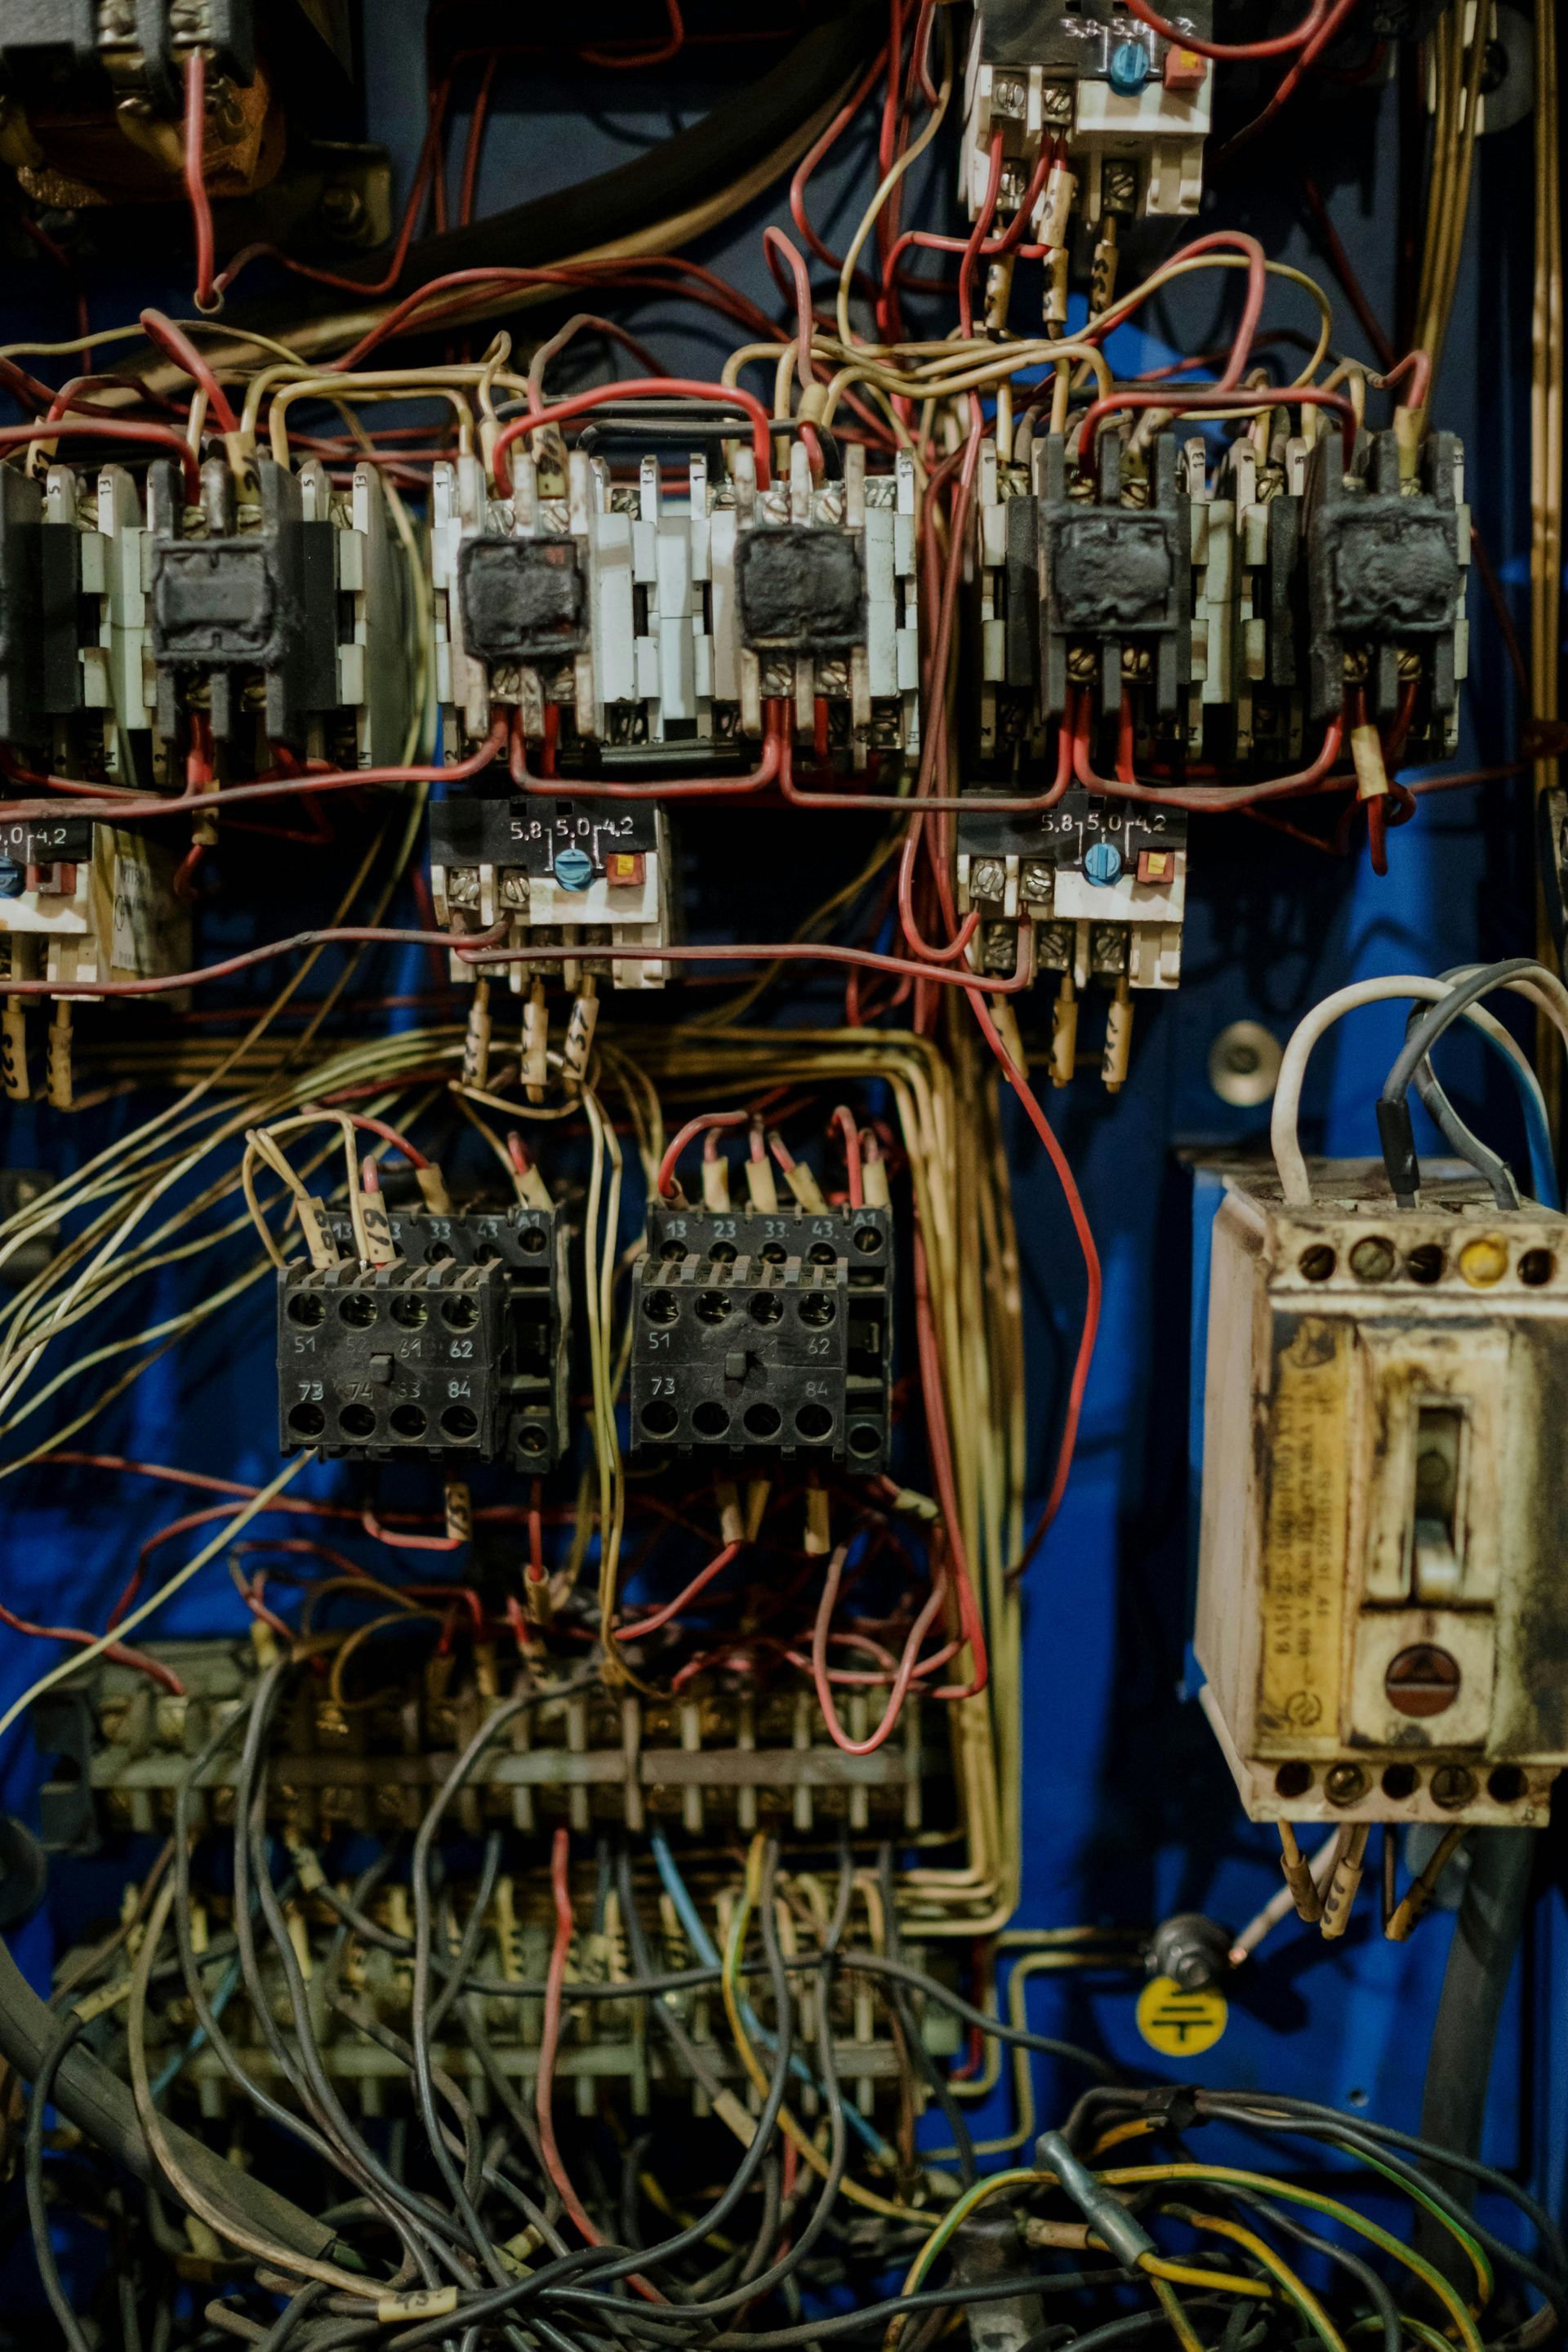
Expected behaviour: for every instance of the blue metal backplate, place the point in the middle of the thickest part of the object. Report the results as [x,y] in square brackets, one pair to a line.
[1128,1813]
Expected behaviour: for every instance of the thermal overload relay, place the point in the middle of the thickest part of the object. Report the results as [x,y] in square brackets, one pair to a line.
[560,873]
[1089,888]
[1381,1612]
[634,630]
[457,1347]
[764,1334]
[1130,108]
[81,903]
[275,613]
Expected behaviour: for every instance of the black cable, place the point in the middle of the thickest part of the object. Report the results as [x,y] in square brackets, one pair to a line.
[699,1978]
[420,2225]
[1489,1165]
[1235,2108]
[1486,1932]
[698,2232]
[691,169]
[1375,2288]
[217,2040]
[933,2076]
[33,2162]
[419,1873]
[1394,1126]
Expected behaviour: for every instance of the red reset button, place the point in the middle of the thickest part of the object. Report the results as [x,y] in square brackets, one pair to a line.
[1185,69]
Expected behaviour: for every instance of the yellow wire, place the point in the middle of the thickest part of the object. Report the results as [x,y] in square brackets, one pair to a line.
[803,2146]
[1300,2294]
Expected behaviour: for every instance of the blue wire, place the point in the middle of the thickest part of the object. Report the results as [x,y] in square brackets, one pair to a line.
[1537,1127]
[707,1951]
[220,2001]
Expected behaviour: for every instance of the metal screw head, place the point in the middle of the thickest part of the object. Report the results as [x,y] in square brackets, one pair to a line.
[514,888]
[1244,1064]
[999,947]
[1009,94]
[1452,1785]
[1037,881]
[1372,1260]
[1344,1784]
[463,887]
[987,878]
[1055,103]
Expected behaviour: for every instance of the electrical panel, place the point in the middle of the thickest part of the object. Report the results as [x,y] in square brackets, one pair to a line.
[694,714]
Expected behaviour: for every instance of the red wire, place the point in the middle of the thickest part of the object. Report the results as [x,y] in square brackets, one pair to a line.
[1281,44]
[659,1618]
[315,779]
[1210,798]
[414,1158]
[620,61]
[771,764]
[548,2045]
[689,1134]
[425,171]
[184,352]
[536,1573]
[1091,1327]
[651,271]
[977,237]
[653,387]
[1204,397]
[777,247]
[106,428]
[1313,49]
[901,1680]
[971,1623]
[844,1120]
[814,156]
[374,1527]
[475,142]
[481,957]
[208,294]
[162,1676]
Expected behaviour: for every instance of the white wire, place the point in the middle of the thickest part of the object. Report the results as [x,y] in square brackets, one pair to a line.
[1295,1183]
[139,1616]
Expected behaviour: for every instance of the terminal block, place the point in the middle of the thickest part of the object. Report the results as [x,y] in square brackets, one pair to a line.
[1087,888]
[639,630]
[1115,579]
[717,1760]
[565,872]
[1381,1608]
[1387,547]
[1131,107]
[457,1348]
[764,1333]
